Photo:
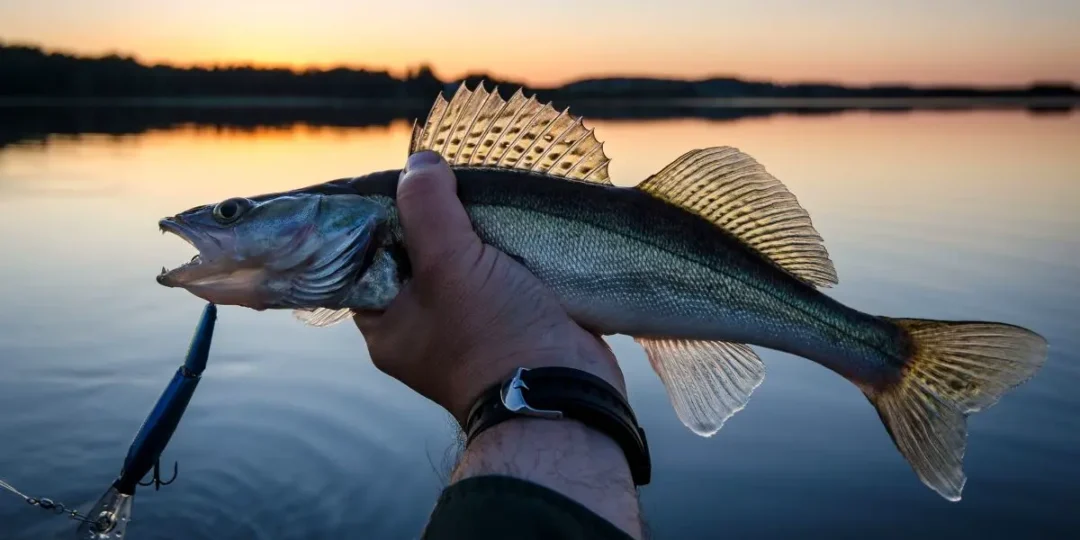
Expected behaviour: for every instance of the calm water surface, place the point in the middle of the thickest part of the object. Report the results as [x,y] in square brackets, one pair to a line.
[293,434]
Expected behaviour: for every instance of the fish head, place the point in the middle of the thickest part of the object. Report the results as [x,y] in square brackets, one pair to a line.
[286,251]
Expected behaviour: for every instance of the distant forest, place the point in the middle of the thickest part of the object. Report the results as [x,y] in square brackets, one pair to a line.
[29,71]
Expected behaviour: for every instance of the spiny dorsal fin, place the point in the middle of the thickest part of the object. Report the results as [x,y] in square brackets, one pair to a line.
[477,128]
[737,194]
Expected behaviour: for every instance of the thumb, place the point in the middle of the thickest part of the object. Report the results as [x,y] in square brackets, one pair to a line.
[434,221]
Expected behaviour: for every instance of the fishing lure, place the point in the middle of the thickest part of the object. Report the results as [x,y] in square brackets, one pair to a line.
[110,515]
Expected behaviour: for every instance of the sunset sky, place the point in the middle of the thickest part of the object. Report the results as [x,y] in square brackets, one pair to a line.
[552,41]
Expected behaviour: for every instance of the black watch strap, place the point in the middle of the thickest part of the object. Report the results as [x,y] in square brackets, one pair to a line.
[557,392]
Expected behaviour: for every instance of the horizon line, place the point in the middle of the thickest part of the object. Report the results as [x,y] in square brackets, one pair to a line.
[299,69]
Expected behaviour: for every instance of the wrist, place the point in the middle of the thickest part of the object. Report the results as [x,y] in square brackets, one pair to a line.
[555,393]
[485,369]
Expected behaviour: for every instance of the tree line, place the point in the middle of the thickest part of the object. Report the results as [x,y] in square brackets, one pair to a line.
[31,71]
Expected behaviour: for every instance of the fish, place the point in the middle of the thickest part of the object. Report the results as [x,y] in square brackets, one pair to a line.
[700,262]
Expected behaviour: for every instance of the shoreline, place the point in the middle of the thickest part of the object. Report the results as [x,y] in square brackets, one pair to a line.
[772,103]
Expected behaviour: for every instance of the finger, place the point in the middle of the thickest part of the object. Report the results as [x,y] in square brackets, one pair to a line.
[434,221]
[391,334]
[386,322]
[367,323]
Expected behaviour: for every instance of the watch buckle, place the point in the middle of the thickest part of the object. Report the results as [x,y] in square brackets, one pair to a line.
[514,400]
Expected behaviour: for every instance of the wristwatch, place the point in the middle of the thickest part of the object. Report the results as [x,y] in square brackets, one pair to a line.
[558,392]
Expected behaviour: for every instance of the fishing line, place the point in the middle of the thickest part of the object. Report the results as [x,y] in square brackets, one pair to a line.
[57,508]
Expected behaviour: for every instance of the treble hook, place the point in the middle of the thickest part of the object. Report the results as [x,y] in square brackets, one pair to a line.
[156,480]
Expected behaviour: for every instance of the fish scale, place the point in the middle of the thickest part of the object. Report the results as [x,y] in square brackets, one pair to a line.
[611,271]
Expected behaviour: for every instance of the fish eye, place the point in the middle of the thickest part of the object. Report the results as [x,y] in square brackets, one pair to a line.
[230,210]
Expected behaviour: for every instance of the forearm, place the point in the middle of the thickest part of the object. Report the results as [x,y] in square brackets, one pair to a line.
[565,456]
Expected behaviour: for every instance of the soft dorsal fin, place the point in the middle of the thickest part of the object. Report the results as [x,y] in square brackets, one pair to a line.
[477,128]
[737,194]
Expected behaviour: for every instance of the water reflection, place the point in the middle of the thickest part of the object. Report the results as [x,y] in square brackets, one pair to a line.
[32,121]
[293,434]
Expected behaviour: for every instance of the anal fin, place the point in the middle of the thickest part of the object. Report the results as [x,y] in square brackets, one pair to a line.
[322,317]
[707,381]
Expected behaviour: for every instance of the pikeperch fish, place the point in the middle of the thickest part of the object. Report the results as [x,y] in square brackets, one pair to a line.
[702,259]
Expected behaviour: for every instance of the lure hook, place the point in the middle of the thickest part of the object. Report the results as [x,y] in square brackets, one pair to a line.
[156,480]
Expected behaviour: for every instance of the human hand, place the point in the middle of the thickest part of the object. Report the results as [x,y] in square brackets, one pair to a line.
[470,315]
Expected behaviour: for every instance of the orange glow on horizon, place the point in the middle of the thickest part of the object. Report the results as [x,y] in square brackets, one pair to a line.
[915,42]
[780,69]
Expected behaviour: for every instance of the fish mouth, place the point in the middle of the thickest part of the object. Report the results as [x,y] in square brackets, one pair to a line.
[199,266]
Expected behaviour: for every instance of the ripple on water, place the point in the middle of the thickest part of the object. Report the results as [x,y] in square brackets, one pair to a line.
[293,434]
[254,462]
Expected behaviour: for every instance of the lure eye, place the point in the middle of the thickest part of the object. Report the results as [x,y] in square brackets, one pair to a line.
[230,210]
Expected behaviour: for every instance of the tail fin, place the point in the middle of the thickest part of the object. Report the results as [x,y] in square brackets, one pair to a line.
[955,368]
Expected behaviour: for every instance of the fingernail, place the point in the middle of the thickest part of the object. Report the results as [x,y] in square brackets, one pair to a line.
[423,159]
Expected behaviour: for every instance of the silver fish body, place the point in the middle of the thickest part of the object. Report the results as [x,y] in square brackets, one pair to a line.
[626,263]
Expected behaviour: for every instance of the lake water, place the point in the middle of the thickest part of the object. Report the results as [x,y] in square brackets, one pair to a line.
[293,434]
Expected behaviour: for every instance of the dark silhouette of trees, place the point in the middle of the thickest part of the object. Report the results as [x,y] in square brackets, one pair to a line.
[31,71]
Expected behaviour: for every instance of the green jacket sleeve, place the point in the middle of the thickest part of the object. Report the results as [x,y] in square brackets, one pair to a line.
[485,507]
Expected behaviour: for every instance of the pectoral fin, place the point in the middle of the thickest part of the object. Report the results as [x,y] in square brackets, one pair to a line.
[707,381]
[322,317]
